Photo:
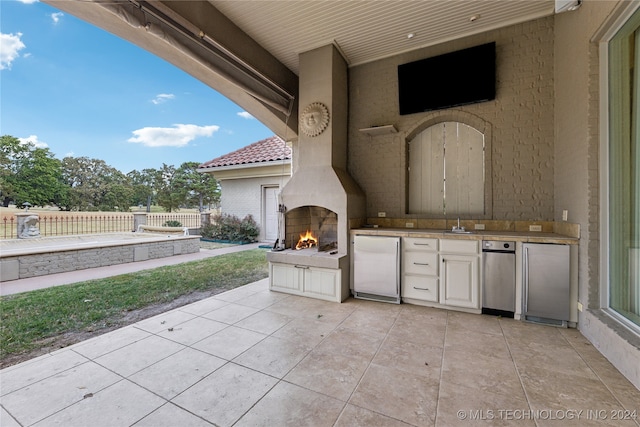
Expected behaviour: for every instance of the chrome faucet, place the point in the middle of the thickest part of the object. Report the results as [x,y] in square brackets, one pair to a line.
[457,228]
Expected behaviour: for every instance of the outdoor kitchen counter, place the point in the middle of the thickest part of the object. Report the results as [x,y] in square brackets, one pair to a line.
[518,236]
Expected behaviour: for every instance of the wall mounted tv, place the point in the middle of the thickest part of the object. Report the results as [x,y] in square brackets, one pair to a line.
[458,78]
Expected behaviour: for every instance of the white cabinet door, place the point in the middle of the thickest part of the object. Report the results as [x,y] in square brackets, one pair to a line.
[286,278]
[322,283]
[459,281]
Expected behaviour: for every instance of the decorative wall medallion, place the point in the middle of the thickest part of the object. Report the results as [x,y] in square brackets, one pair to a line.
[314,119]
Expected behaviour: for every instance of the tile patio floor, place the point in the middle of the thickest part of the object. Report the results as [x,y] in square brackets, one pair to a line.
[254,357]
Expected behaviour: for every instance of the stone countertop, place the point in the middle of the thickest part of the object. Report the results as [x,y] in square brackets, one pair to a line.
[518,236]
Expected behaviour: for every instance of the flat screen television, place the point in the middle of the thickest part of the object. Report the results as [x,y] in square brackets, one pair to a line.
[458,78]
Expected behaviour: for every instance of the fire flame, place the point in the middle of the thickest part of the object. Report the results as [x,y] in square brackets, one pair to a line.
[306,241]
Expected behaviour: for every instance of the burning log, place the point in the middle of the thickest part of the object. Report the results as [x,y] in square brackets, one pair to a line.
[306,241]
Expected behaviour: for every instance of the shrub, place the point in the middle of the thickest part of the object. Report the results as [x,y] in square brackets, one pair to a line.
[172,223]
[230,227]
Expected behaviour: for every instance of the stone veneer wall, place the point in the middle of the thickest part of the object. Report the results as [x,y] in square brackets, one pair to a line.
[41,264]
[521,119]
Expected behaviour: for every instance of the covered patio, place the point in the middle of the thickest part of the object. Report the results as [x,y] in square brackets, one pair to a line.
[251,356]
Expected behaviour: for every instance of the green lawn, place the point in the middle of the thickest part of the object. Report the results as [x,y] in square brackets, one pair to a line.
[31,317]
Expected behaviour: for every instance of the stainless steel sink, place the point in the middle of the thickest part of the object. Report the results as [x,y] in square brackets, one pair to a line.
[459,231]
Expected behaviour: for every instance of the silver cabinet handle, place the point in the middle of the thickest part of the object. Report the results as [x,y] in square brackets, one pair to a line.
[421,289]
[305,267]
[525,269]
[422,244]
[420,263]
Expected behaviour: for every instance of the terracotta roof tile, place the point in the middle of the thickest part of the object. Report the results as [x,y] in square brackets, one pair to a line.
[267,150]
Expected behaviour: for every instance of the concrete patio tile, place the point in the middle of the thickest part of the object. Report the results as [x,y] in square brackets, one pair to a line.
[371,323]
[231,313]
[331,374]
[225,395]
[119,405]
[354,416]
[294,306]
[193,330]
[265,322]
[553,390]
[109,342]
[273,356]
[461,405]
[235,294]
[431,335]
[139,355]
[202,307]
[262,299]
[410,357]
[163,321]
[6,420]
[32,371]
[423,315]
[310,332]
[44,398]
[482,373]
[289,405]
[563,359]
[351,343]
[170,415]
[490,345]
[457,321]
[173,375]
[229,342]
[398,394]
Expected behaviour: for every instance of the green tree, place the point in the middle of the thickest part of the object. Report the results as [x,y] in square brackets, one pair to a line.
[143,185]
[199,188]
[94,185]
[28,173]
[169,194]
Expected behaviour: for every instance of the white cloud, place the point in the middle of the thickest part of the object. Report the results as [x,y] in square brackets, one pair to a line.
[177,136]
[245,115]
[56,17]
[10,46]
[28,1]
[162,97]
[34,140]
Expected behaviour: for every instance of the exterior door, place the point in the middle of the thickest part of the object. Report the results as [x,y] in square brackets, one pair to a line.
[271,213]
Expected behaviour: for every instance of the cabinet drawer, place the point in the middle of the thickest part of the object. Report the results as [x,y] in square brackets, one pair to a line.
[420,287]
[421,263]
[419,244]
[459,246]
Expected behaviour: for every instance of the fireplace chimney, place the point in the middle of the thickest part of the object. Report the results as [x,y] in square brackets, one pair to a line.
[320,176]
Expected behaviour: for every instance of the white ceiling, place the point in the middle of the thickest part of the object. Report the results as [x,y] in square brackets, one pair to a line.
[373,29]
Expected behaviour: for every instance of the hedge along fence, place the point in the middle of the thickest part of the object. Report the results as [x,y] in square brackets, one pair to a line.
[230,228]
[73,223]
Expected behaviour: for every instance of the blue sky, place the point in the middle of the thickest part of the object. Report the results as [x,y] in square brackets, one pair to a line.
[83,92]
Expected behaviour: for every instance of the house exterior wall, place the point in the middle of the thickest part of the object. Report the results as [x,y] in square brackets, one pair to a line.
[577,181]
[521,118]
[243,196]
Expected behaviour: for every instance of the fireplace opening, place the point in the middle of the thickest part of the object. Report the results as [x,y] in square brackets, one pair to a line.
[311,228]
[306,241]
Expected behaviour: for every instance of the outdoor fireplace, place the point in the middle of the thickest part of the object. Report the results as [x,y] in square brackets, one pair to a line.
[321,200]
[311,227]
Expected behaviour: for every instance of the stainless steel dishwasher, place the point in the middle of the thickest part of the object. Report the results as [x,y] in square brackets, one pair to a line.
[498,278]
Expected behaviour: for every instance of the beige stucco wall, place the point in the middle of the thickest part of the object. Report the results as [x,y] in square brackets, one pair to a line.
[244,196]
[577,180]
[521,118]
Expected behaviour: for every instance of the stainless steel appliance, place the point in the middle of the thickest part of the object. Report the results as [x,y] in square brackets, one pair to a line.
[499,278]
[546,283]
[376,268]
